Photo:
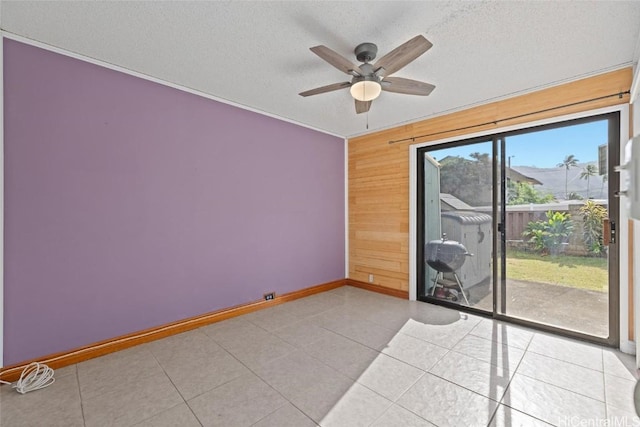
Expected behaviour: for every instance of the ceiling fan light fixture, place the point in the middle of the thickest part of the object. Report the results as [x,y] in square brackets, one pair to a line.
[365,89]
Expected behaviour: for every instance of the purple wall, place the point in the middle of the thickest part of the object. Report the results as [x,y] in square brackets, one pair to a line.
[129,204]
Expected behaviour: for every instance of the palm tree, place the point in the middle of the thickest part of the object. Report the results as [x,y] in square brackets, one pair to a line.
[587,172]
[569,162]
[605,178]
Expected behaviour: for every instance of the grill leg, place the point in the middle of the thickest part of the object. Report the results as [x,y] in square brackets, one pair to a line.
[435,283]
[460,287]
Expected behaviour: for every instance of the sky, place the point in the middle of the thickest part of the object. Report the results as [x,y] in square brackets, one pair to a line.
[544,149]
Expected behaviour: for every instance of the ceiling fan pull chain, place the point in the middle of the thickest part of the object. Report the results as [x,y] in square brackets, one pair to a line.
[367,120]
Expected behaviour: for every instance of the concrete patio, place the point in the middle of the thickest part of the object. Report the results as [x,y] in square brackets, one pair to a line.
[571,308]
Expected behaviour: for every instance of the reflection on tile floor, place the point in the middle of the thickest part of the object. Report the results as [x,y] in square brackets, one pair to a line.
[347,357]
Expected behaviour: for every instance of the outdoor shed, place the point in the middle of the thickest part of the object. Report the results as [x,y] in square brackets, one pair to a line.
[473,230]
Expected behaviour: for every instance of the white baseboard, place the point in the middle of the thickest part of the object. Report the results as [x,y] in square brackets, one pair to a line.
[628,347]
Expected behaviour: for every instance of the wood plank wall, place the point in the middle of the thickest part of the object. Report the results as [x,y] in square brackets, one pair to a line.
[379,171]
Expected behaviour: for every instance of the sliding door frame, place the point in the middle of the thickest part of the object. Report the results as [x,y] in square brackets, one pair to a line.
[420,229]
[618,292]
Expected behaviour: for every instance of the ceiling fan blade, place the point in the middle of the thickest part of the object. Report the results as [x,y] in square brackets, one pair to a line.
[335,59]
[327,88]
[407,86]
[362,106]
[403,54]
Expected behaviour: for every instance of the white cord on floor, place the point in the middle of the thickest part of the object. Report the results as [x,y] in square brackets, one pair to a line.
[34,377]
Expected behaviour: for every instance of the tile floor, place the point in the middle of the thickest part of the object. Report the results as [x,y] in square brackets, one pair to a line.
[349,358]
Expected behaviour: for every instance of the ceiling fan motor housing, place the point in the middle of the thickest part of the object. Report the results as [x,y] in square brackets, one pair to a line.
[366,52]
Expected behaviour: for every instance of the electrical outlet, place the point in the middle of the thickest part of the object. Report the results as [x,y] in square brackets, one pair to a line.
[269,296]
[371,278]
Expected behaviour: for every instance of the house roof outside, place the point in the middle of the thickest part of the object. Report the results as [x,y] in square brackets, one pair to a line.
[516,176]
[453,203]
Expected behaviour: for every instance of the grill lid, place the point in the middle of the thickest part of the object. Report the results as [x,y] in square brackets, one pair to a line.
[445,255]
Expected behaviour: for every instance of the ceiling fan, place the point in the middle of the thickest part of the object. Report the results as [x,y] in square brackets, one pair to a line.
[369,80]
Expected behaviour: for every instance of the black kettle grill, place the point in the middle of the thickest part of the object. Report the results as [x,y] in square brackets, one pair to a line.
[446,256]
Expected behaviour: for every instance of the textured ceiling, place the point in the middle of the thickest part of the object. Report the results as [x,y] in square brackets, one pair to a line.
[257,54]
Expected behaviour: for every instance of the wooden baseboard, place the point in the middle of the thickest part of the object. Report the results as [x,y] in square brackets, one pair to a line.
[59,360]
[377,288]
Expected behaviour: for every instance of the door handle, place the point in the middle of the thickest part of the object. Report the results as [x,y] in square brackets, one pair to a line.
[608,231]
[612,233]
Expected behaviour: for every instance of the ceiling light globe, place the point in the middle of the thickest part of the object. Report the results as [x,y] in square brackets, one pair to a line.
[366,90]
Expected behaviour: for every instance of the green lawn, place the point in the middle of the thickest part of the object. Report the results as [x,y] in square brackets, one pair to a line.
[574,271]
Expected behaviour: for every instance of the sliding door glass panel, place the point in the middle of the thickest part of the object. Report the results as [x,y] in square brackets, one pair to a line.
[458,224]
[555,200]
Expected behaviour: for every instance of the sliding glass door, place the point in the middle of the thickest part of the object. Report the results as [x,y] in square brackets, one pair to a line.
[458,232]
[555,206]
[518,226]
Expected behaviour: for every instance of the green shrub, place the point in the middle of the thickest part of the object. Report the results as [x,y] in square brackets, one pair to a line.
[549,235]
[535,233]
[593,216]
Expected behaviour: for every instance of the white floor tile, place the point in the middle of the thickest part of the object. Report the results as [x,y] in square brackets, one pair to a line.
[478,376]
[619,392]
[131,403]
[286,416]
[358,407]
[550,403]
[445,332]
[578,379]
[389,377]
[179,415]
[343,354]
[414,351]
[397,416]
[509,417]
[500,355]
[342,358]
[101,375]
[241,402]
[620,417]
[446,404]
[620,364]
[503,333]
[579,353]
